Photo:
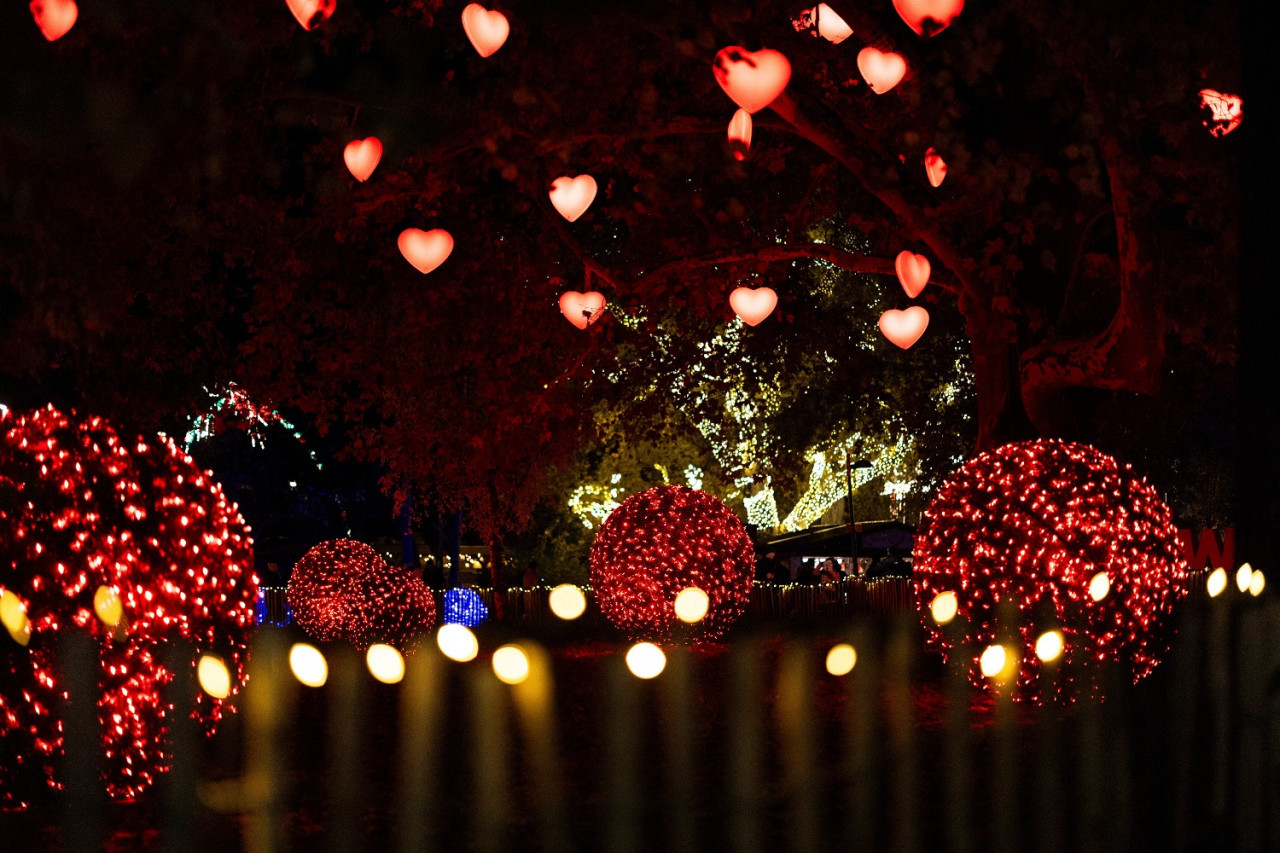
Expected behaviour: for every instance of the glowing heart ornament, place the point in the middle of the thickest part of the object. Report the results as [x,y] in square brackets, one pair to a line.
[928,17]
[753,306]
[311,13]
[425,250]
[913,272]
[740,134]
[904,328]
[881,70]
[486,29]
[582,309]
[362,156]
[55,18]
[572,196]
[752,80]
[1223,113]
[935,167]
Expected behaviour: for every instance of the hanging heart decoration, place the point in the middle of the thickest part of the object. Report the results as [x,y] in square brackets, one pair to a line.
[362,156]
[904,327]
[572,196]
[311,13]
[582,309]
[913,272]
[831,26]
[425,250]
[928,17]
[1223,113]
[486,30]
[740,134]
[753,305]
[752,80]
[935,167]
[55,18]
[882,70]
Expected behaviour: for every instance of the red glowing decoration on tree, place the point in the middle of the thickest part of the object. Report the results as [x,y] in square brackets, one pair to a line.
[904,327]
[362,156]
[486,30]
[311,13]
[1042,523]
[913,272]
[343,590]
[425,250]
[582,309]
[55,18]
[928,17]
[753,306]
[752,80]
[664,540]
[823,21]
[572,196]
[740,134]
[935,167]
[91,524]
[1223,113]
[882,70]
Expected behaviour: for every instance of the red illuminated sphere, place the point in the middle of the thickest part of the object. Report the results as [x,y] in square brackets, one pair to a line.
[1035,523]
[82,508]
[343,590]
[661,541]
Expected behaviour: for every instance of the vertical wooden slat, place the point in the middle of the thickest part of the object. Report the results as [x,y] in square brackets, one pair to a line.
[178,786]
[82,744]
[680,748]
[1090,778]
[744,747]
[1048,762]
[346,702]
[622,747]
[1250,747]
[794,708]
[534,701]
[958,746]
[490,783]
[861,747]
[421,705]
[268,707]
[1005,776]
[1185,686]
[902,735]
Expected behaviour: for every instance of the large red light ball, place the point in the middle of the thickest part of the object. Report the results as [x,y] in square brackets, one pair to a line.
[343,590]
[661,541]
[82,509]
[1035,524]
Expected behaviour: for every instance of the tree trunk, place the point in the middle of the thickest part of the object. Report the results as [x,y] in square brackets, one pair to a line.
[498,578]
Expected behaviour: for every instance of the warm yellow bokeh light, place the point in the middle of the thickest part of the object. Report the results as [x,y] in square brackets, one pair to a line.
[511,664]
[1244,575]
[691,604]
[457,642]
[1099,586]
[944,607]
[308,665]
[1217,582]
[213,676]
[385,663]
[841,659]
[1049,646]
[993,661]
[1257,583]
[567,601]
[108,606]
[645,660]
[13,615]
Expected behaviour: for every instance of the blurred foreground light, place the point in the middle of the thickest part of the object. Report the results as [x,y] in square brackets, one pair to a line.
[944,607]
[1099,586]
[1244,576]
[385,663]
[691,604]
[567,601]
[1049,646]
[993,661]
[841,659]
[510,664]
[1257,583]
[308,665]
[645,660]
[13,615]
[1217,582]
[457,642]
[213,676]
[108,606]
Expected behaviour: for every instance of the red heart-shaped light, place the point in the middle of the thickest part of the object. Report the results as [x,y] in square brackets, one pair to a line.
[881,70]
[740,134]
[753,306]
[831,26]
[928,17]
[426,250]
[311,13]
[913,271]
[904,328]
[486,30]
[362,156]
[1223,112]
[55,18]
[935,167]
[572,196]
[582,309]
[752,80]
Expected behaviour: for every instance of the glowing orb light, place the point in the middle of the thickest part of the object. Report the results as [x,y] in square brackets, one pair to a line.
[740,134]
[1049,646]
[96,533]
[1244,575]
[841,659]
[213,676]
[582,309]
[881,69]
[572,196]
[691,605]
[343,590]
[511,664]
[311,13]
[425,250]
[944,606]
[753,80]
[935,168]
[645,660]
[661,541]
[753,305]
[308,665]
[913,272]
[487,30]
[928,17]
[385,663]
[1257,583]
[457,642]
[55,18]
[993,661]
[567,601]
[362,156]
[903,327]
[1035,524]
[1216,582]
[464,607]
